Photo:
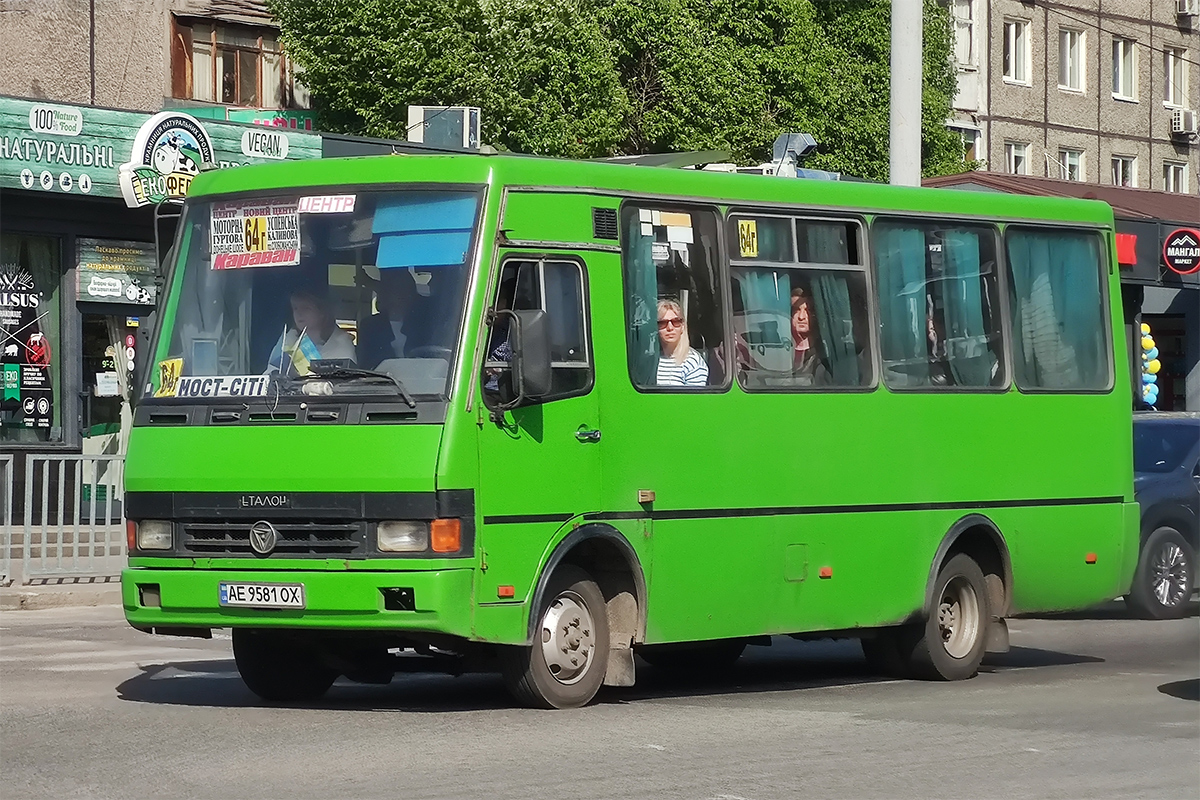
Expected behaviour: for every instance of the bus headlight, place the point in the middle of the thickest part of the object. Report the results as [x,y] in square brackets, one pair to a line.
[402,537]
[154,534]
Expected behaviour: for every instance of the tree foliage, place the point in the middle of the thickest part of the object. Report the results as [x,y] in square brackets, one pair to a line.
[586,78]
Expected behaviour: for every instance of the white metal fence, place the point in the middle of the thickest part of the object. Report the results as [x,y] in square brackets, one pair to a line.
[71,516]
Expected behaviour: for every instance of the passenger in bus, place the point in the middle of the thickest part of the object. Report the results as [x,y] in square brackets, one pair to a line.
[385,335]
[678,364]
[315,335]
[806,354]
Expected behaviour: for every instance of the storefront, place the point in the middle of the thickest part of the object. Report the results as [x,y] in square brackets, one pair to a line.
[83,193]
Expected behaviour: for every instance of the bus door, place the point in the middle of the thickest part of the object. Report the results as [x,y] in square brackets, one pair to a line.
[539,461]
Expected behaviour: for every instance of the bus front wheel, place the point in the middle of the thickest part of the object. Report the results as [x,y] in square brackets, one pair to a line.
[565,665]
[949,646]
[278,668]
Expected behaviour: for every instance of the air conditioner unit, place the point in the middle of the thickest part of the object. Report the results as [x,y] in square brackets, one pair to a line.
[1187,8]
[444,126]
[1183,122]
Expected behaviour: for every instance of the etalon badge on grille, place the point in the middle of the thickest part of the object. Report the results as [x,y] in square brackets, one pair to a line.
[263,537]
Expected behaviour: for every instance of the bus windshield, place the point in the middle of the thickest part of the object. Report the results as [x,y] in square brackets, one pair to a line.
[319,292]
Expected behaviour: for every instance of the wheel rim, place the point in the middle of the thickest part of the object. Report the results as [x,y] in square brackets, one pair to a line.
[568,638]
[1169,575]
[958,617]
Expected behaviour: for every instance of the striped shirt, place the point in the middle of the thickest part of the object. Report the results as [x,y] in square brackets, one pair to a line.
[692,372]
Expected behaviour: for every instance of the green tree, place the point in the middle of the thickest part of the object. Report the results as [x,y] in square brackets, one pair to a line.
[584,78]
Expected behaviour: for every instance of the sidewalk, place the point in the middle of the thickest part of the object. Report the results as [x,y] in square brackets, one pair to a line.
[59,592]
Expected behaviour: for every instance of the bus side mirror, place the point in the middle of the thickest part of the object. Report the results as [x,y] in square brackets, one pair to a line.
[531,354]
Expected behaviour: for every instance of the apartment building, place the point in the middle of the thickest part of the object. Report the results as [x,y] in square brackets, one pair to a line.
[1097,91]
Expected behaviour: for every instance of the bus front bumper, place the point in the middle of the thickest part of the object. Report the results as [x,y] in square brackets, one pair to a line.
[437,601]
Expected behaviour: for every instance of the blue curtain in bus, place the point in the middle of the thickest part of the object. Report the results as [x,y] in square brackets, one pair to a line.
[1057,310]
[641,277]
[901,261]
[971,362]
[835,327]
[826,244]
[766,314]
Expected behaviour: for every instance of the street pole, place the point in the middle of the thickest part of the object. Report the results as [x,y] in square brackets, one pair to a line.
[905,128]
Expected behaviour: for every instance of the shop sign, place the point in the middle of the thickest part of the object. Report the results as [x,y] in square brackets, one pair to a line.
[115,271]
[294,119]
[108,153]
[265,144]
[25,351]
[1181,251]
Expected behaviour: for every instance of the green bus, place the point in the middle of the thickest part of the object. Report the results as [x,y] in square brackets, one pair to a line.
[536,416]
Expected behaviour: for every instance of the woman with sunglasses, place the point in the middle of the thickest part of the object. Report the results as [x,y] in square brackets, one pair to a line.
[679,364]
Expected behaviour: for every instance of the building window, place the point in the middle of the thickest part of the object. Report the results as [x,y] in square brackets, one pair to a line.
[1124,69]
[1175,177]
[970,140]
[1070,164]
[1175,76]
[232,65]
[1124,171]
[964,33]
[1070,60]
[1016,158]
[1016,51]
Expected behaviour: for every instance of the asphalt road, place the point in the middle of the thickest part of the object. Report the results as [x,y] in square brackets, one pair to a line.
[1092,706]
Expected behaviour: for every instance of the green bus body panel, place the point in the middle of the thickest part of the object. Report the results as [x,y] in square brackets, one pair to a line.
[283,458]
[348,600]
[753,494]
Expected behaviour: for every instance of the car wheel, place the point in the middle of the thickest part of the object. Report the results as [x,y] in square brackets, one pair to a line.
[1166,572]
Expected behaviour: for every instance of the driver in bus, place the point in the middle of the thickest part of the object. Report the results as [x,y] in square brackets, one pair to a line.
[315,335]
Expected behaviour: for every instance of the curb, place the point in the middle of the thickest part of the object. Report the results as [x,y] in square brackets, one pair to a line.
[28,598]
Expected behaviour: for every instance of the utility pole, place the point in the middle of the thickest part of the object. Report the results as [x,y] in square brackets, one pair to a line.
[905,128]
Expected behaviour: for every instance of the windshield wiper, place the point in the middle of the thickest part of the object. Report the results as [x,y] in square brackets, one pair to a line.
[355,372]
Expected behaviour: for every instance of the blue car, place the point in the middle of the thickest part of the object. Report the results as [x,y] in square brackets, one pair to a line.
[1166,480]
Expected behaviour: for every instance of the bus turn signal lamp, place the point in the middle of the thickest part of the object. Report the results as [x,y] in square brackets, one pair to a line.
[506,591]
[1090,558]
[826,572]
[446,535]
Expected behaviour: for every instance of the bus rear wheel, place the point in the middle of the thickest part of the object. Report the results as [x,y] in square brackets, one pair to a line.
[949,646]
[565,665]
[279,668]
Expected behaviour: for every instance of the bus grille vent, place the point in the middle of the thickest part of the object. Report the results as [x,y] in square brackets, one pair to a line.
[604,223]
[315,539]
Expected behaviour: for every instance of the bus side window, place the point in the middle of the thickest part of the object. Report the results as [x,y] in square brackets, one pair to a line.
[800,303]
[556,287]
[669,257]
[1057,301]
[939,305]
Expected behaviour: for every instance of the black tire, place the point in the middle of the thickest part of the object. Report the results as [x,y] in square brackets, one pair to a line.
[279,668]
[1165,575]
[883,653]
[570,680]
[949,646]
[694,657]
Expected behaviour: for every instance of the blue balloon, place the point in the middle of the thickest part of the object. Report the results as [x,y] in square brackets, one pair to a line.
[1153,394]
[1147,377]
[1152,354]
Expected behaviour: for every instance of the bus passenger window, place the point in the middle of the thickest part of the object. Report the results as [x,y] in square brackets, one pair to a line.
[939,308]
[557,288]
[1059,331]
[673,305]
[800,322]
